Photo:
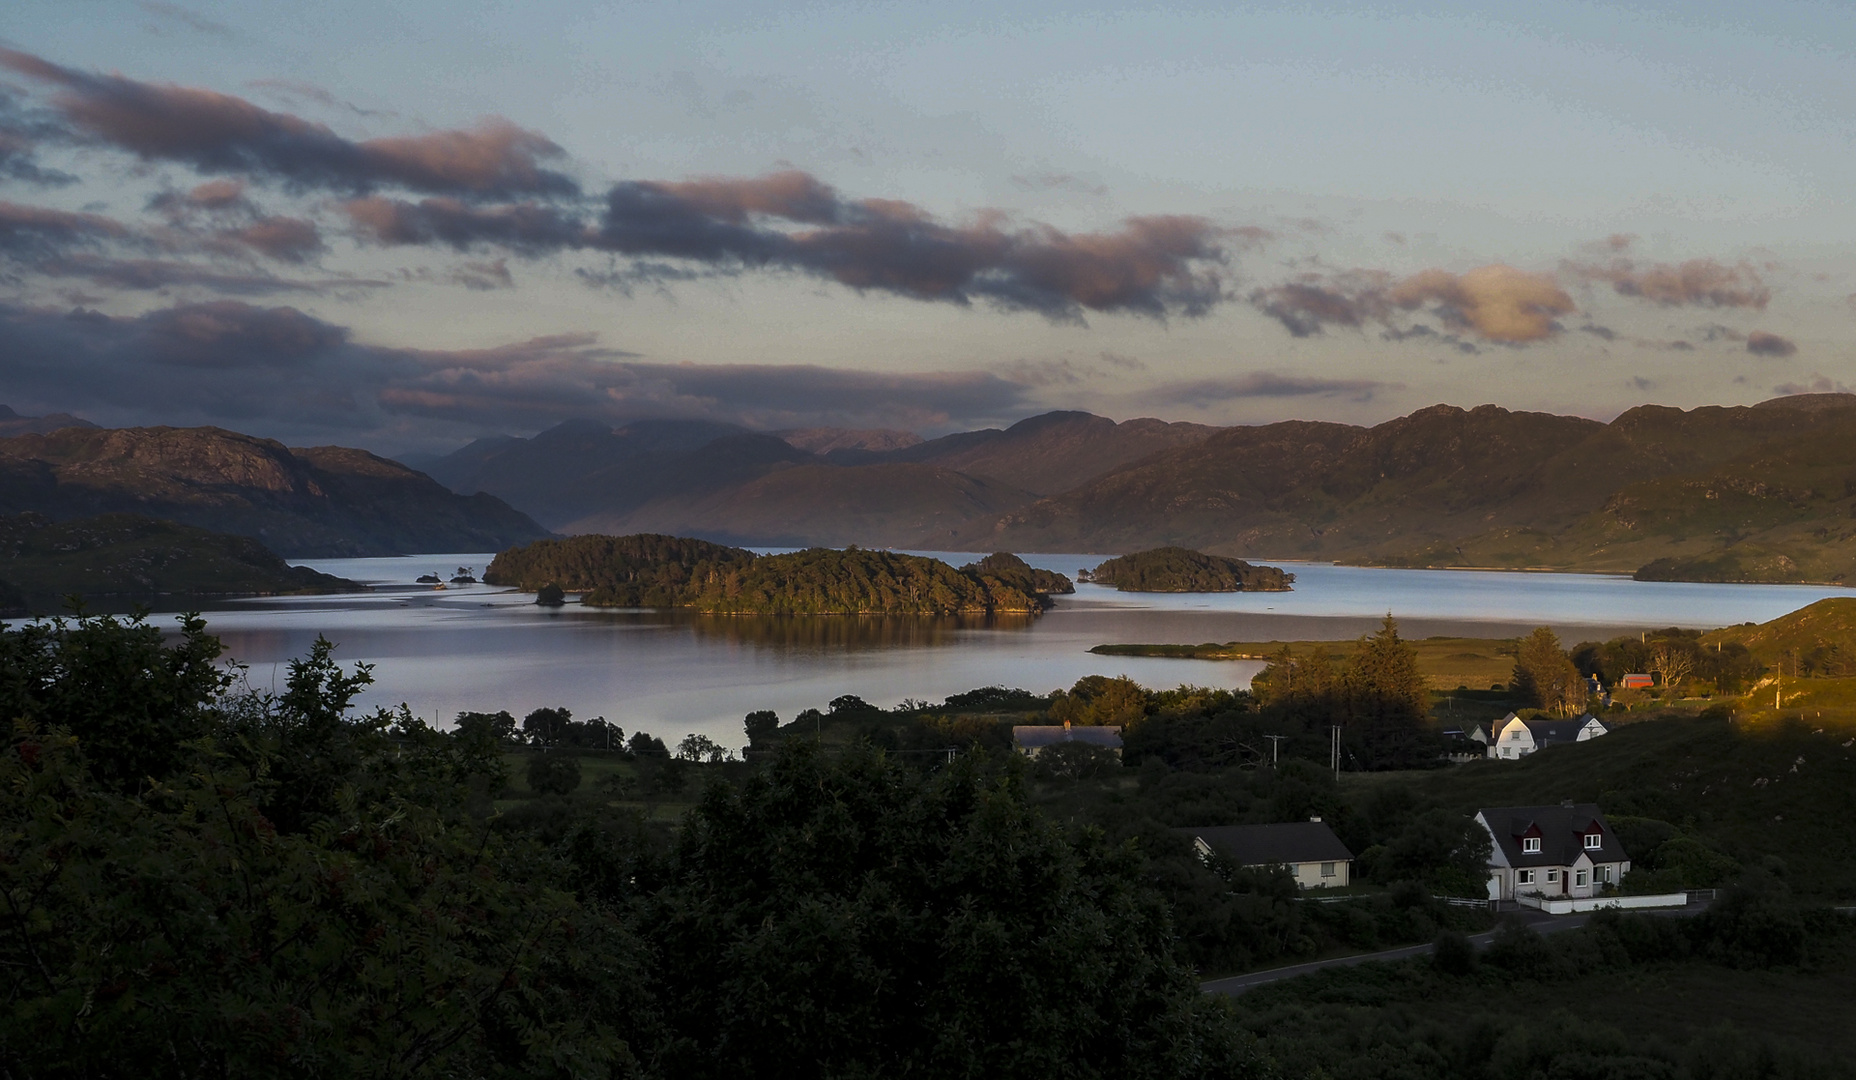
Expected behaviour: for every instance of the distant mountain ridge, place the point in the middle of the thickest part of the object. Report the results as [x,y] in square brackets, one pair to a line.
[318,502]
[1759,493]
[11,423]
[814,486]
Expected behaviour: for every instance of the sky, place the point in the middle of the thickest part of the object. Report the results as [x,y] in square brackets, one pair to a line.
[405,225]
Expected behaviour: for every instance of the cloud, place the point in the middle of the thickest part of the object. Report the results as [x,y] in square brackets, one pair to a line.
[192,21]
[1818,384]
[1695,283]
[484,276]
[297,90]
[219,133]
[1761,343]
[282,372]
[286,239]
[793,221]
[1265,384]
[1053,181]
[1497,303]
[37,232]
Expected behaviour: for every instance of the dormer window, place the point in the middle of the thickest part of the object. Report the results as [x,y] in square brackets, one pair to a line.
[1594,841]
[1530,845]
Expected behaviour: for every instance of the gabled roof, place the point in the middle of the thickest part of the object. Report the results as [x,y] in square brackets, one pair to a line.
[1272,845]
[1038,736]
[1562,832]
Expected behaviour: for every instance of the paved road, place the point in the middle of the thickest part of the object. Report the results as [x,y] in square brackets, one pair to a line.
[1541,923]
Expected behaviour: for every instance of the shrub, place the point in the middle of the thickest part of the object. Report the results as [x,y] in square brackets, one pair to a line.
[553,774]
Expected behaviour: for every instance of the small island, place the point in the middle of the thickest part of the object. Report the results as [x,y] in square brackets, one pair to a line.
[1180,570]
[128,557]
[650,570]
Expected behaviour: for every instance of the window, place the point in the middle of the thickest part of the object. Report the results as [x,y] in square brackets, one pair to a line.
[1552,876]
[1530,845]
[1327,869]
[1594,841]
[1604,874]
[1523,877]
[1515,735]
[1578,879]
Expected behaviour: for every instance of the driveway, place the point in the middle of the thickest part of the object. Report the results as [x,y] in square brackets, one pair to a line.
[1540,922]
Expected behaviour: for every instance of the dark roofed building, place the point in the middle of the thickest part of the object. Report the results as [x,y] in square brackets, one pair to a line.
[1031,738]
[1564,850]
[1307,849]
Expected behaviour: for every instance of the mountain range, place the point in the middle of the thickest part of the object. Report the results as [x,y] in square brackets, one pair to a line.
[820,486]
[1764,492]
[305,503]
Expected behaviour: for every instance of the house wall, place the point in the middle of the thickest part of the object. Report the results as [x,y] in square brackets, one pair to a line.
[1308,875]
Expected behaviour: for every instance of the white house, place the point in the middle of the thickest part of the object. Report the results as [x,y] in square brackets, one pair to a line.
[1513,737]
[1567,850]
[1309,850]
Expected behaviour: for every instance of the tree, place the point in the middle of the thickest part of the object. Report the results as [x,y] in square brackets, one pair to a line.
[1387,701]
[550,595]
[554,774]
[761,725]
[1672,663]
[1545,676]
[547,727]
[698,748]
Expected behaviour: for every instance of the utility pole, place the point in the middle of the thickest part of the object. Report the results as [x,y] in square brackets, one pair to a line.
[1275,747]
[1334,751]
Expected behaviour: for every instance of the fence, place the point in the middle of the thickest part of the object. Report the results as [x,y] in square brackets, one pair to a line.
[1569,906]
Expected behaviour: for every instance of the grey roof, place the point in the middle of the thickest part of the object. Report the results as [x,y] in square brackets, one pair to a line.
[1554,731]
[1271,845]
[1562,832]
[1038,736]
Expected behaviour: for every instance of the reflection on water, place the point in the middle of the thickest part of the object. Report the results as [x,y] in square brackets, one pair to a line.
[671,673]
[833,632]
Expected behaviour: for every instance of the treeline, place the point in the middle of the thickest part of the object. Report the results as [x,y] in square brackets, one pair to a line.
[1177,569]
[1377,697]
[674,572]
[644,570]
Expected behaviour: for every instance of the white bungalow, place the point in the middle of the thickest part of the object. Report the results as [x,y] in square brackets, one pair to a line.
[1551,852]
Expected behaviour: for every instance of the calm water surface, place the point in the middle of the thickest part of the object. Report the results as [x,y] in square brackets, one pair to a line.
[672,673]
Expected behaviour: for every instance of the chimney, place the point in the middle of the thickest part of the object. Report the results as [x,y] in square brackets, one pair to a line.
[1315,818]
[1567,804]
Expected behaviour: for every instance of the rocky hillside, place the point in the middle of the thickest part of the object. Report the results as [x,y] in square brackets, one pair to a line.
[11,423]
[321,502]
[127,557]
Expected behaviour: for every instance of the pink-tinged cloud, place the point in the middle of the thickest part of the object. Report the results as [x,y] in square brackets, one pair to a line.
[1499,303]
[1495,303]
[792,221]
[39,232]
[1695,283]
[1763,343]
[219,133]
[286,239]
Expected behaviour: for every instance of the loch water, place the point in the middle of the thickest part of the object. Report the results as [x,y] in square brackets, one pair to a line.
[479,647]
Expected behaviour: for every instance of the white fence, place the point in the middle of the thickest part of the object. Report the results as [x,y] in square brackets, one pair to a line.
[1569,906]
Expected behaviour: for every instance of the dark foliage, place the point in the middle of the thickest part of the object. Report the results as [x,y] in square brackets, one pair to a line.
[1174,569]
[554,774]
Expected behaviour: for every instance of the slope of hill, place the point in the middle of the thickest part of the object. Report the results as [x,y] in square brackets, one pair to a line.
[127,556]
[890,505]
[1759,493]
[11,423]
[1053,452]
[326,501]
